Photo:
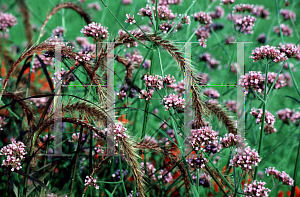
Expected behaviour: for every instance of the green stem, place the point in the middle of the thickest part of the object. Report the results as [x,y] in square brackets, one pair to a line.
[121,172]
[263,118]
[295,171]
[6,185]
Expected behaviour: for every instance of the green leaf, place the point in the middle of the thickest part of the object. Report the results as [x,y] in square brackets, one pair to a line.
[108,193]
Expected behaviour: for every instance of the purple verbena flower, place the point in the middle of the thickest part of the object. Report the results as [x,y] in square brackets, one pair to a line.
[256,189]
[14,153]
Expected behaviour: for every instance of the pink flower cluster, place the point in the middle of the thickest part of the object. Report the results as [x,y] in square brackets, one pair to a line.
[204,138]
[269,119]
[173,101]
[150,170]
[204,180]
[269,53]
[164,13]
[7,21]
[83,57]
[287,115]
[96,31]
[58,31]
[84,43]
[125,2]
[130,19]
[281,176]
[134,57]
[202,34]
[285,29]
[219,13]
[203,78]
[251,80]
[122,94]
[226,2]
[261,12]
[146,95]
[290,50]
[168,80]
[203,18]
[167,26]
[37,64]
[2,122]
[165,175]
[178,87]
[210,61]
[119,132]
[281,82]
[14,153]
[258,113]
[261,38]
[153,81]
[45,138]
[245,24]
[98,149]
[243,7]
[39,102]
[75,137]
[246,159]
[211,93]
[166,2]
[257,189]
[229,140]
[288,14]
[185,20]
[70,77]
[90,181]
[232,105]
[94,5]
[197,162]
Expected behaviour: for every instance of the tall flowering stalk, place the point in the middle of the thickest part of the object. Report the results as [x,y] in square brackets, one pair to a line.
[268,54]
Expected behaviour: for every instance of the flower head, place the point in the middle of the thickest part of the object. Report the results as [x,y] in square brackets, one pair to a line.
[14,153]
[90,181]
[269,53]
[96,31]
[7,21]
[173,101]
[281,176]
[130,19]
[256,189]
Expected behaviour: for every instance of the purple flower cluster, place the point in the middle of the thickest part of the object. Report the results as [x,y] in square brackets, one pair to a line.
[211,93]
[229,140]
[253,80]
[281,82]
[166,2]
[90,181]
[119,132]
[203,18]
[204,138]
[37,64]
[84,43]
[173,101]
[202,34]
[164,13]
[167,26]
[226,2]
[153,81]
[285,29]
[269,53]
[185,20]
[219,13]
[232,105]
[83,57]
[210,61]
[288,14]
[122,94]
[117,174]
[165,175]
[58,31]
[281,176]
[134,57]
[246,159]
[204,180]
[70,77]
[261,12]
[245,24]
[39,102]
[14,153]
[256,189]
[7,21]
[125,2]
[243,7]
[2,122]
[150,170]
[98,149]
[269,119]
[197,162]
[203,78]
[45,138]
[94,5]
[290,50]
[96,31]
[130,19]
[168,80]
[287,115]
[178,87]
[75,137]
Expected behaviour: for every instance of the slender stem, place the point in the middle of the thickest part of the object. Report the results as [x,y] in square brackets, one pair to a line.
[263,118]
[6,185]
[295,172]
[121,172]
